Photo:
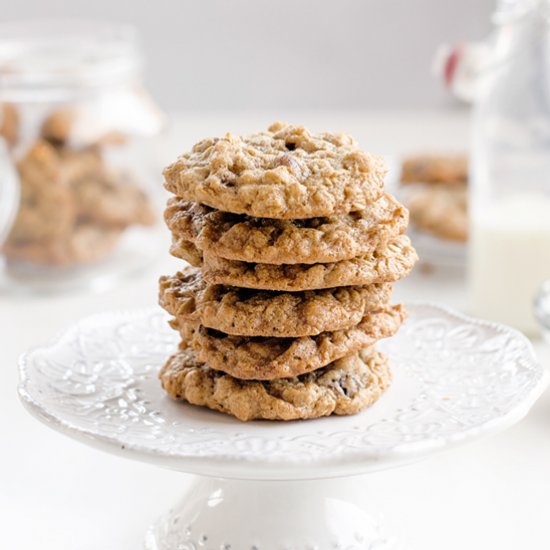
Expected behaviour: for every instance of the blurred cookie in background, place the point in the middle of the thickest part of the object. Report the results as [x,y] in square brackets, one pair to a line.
[47,209]
[441,211]
[435,168]
[437,194]
[9,123]
[77,126]
[73,207]
[85,243]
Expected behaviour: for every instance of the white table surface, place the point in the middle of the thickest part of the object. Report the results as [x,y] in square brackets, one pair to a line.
[57,494]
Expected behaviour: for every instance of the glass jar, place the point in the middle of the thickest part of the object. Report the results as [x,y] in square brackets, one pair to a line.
[510,168]
[82,132]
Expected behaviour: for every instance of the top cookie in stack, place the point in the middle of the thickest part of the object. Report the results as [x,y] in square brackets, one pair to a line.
[296,245]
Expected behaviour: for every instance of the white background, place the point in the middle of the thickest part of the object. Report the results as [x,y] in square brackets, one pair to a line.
[271,54]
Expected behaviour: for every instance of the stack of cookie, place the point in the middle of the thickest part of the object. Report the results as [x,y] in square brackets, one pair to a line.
[295,246]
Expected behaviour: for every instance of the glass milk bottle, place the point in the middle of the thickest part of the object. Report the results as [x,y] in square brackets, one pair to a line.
[510,168]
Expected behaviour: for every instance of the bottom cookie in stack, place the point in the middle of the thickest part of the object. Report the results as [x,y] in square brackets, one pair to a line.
[343,387]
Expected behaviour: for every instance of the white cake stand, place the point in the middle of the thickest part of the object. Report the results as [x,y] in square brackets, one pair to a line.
[455,379]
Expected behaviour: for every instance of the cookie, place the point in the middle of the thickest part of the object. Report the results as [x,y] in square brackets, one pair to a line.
[75,126]
[258,358]
[113,200]
[47,208]
[435,168]
[391,263]
[9,123]
[57,126]
[104,196]
[285,173]
[244,312]
[187,251]
[345,387]
[263,240]
[70,201]
[441,211]
[80,164]
[86,243]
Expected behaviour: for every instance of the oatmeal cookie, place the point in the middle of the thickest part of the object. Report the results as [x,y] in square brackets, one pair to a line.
[441,211]
[102,195]
[247,312]
[187,251]
[344,387]
[68,196]
[388,264]
[47,208]
[113,200]
[285,173]
[71,125]
[263,240]
[9,123]
[435,168]
[57,126]
[258,358]
[86,243]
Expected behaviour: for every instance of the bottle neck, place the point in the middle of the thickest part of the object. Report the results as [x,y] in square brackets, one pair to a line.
[521,37]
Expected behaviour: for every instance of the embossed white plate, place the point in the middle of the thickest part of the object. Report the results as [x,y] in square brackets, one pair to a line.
[455,378]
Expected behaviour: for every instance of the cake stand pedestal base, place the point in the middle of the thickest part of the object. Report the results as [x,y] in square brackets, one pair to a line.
[218,514]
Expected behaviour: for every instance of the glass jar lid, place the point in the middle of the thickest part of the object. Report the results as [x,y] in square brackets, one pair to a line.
[51,59]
